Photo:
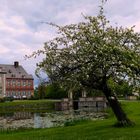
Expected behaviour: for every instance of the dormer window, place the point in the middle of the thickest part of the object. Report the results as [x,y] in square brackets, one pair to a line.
[13,75]
[10,71]
[23,76]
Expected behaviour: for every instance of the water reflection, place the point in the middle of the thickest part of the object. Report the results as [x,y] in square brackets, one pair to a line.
[42,120]
[17,120]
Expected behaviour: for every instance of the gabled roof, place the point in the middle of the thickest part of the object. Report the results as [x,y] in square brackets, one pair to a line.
[13,71]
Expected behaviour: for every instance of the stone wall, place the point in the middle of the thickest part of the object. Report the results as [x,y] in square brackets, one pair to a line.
[82,103]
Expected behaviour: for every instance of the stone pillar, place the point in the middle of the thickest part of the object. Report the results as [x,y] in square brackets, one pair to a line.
[2,82]
[84,94]
[70,96]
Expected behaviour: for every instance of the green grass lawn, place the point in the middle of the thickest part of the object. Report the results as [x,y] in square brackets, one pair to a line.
[87,130]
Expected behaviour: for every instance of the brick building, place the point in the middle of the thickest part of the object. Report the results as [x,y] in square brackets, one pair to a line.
[15,81]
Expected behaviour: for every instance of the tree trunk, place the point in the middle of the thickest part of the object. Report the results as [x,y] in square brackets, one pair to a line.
[116,107]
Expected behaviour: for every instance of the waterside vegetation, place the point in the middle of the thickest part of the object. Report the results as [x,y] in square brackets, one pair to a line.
[27,105]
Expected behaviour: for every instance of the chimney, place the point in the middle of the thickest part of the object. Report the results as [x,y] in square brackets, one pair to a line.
[16,64]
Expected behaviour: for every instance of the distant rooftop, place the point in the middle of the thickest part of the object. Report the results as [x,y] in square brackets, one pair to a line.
[14,71]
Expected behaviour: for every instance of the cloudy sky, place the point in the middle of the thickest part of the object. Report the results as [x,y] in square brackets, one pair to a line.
[22,30]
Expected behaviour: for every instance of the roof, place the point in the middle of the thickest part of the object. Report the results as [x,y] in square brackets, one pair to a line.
[13,71]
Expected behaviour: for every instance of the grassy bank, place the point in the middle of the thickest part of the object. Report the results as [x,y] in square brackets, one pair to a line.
[27,105]
[89,130]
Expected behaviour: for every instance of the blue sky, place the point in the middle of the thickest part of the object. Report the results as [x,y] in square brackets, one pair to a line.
[22,31]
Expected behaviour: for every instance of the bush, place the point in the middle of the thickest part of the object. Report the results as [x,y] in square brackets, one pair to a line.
[33,98]
[1,100]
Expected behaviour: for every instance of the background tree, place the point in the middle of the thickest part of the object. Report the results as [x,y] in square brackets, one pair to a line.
[36,95]
[54,91]
[41,90]
[86,55]
[49,91]
[121,88]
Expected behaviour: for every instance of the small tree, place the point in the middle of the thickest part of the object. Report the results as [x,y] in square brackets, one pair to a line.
[86,55]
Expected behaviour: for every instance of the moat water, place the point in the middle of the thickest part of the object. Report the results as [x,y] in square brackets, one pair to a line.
[18,120]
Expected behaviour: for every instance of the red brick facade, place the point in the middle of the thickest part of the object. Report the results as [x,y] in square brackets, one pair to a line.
[19,88]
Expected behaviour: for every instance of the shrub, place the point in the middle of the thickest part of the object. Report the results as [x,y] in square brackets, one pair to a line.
[1,100]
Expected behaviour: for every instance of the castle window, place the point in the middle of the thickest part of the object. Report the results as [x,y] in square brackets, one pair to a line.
[29,83]
[24,83]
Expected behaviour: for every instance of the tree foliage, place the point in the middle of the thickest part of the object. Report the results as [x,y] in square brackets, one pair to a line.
[122,88]
[87,52]
[86,55]
[54,91]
